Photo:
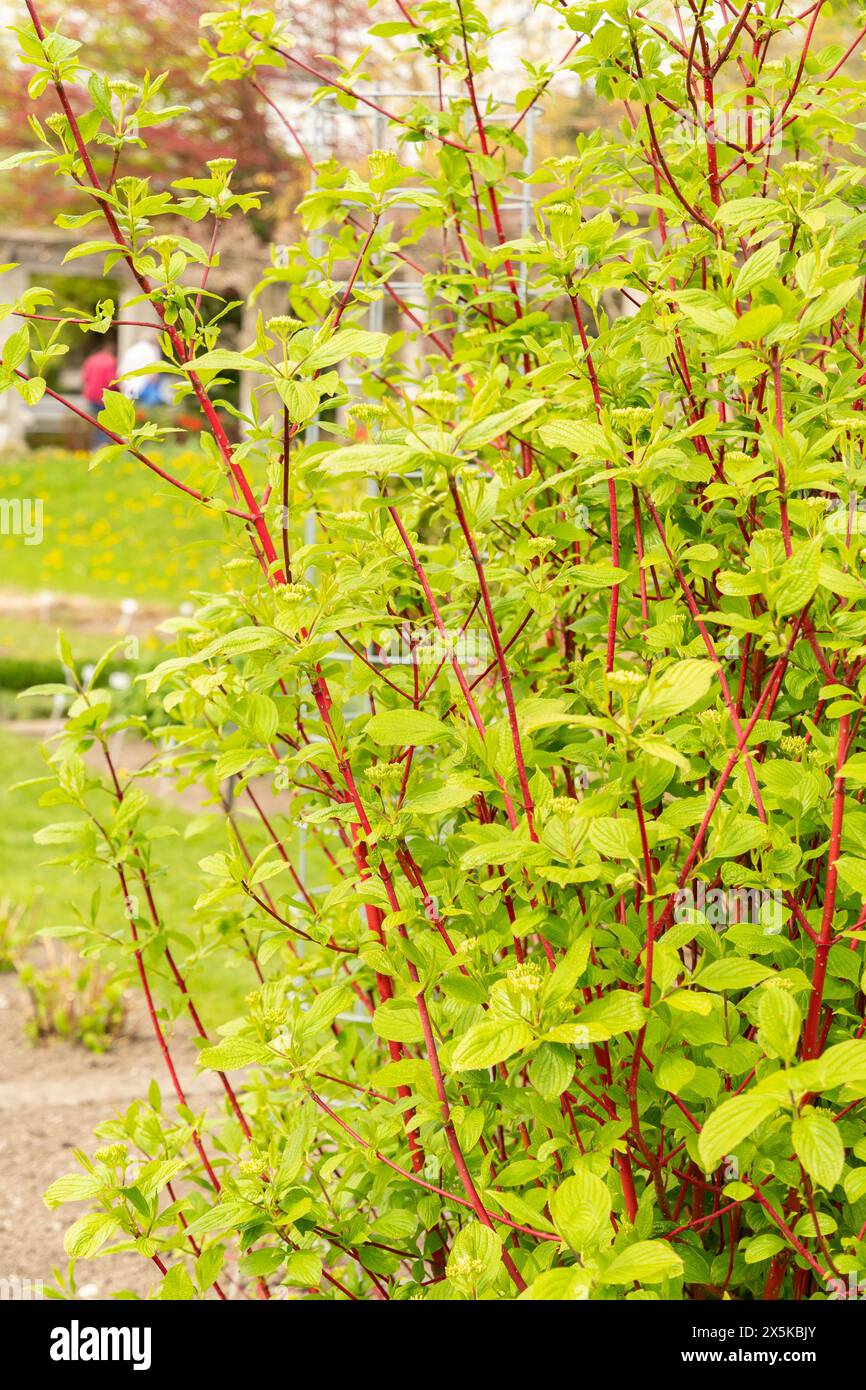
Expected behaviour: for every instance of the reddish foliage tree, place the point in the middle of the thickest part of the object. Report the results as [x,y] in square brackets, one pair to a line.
[129,37]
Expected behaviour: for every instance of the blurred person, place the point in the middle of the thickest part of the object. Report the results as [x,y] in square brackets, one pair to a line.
[142,388]
[99,374]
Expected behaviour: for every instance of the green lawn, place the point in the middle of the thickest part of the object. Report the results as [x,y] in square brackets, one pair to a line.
[111,533]
[31,639]
[116,532]
[52,892]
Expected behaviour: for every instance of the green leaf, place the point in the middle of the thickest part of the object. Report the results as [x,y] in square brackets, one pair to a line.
[552,1069]
[798,580]
[818,1145]
[763,1247]
[50,688]
[241,641]
[473,1262]
[16,347]
[615,836]
[301,398]
[563,1285]
[732,973]
[75,1187]
[32,390]
[368,460]
[568,970]
[673,1073]
[221,360]
[500,846]
[756,269]
[395,1225]
[489,1042]
[224,1216]
[60,833]
[706,311]
[177,1285]
[455,792]
[829,304]
[731,1123]
[398,1020]
[117,413]
[689,1002]
[405,727]
[208,1266]
[88,1234]
[648,1262]
[679,687]
[854,1184]
[756,323]
[581,1208]
[601,575]
[323,1010]
[303,1269]
[779,1022]
[852,870]
[492,426]
[844,1062]
[346,342]
[582,437]
[747,212]
[618,1011]
[233,1053]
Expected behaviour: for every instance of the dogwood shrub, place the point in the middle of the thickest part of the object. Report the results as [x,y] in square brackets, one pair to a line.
[562,698]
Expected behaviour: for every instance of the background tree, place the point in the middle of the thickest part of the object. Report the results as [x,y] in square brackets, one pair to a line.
[127,37]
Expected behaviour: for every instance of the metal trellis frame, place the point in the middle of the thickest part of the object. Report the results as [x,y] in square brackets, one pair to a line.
[322,142]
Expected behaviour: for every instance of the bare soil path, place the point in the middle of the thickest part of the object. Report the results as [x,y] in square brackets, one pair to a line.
[82,612]
[51,1098]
